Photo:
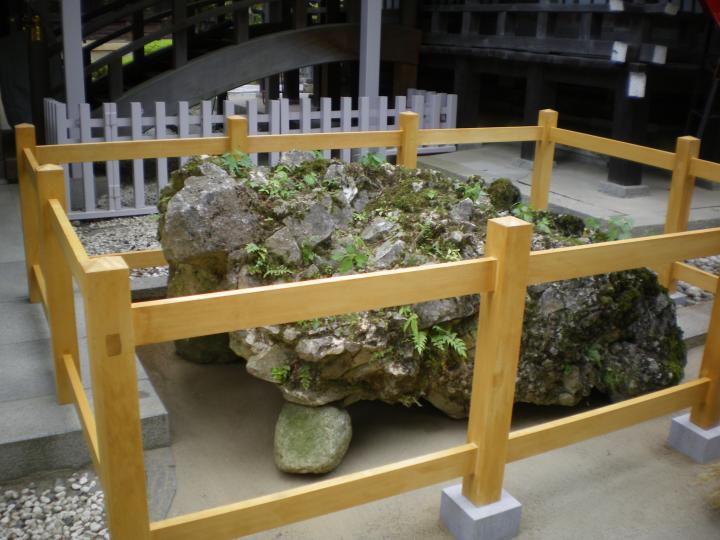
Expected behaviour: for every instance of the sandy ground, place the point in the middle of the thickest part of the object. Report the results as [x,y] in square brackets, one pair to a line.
[626,485]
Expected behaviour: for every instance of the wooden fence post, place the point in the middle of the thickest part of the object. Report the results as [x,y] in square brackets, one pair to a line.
[543,164]
[407,151]
[707,414]
[58,281]
[496,357]
[237,133]
[681,191]
[111,345]
[25,138]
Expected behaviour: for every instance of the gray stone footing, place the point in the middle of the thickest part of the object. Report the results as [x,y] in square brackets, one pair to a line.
[679,298]
[707,184]
[624,192]
[465,521]
[700,445]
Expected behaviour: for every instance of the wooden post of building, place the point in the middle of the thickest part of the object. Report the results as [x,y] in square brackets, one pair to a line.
[544,156]
[110,336]
[496,357]
[180,33]
[681,190]
[707,414]
[60,306]
[407,151]
[237,133]
[25,138]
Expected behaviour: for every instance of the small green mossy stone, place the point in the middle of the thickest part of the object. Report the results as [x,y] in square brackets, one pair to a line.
[311,439]
[503,194]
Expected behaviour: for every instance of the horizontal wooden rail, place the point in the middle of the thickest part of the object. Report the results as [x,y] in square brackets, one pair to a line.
[705,169]
[322,141]
[535,440]
[651,251]
[72,248]
[611,147]
[42,287]
[478,135]
[694,276]
[31,163]
[139,259]
[82,406]
[317,499]
[212,313]
[143,149]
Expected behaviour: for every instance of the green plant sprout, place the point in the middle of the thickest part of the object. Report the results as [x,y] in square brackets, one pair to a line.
[354,257]
[371,160]
[263,265]
[236,163]
[418,337]
[280,374]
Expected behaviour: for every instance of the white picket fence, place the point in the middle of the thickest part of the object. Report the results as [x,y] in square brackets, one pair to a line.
[111,189]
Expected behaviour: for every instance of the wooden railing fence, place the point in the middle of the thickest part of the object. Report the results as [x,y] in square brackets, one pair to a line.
[116,325]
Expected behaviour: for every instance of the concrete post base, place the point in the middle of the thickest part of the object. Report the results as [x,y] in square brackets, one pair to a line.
[700,445]
[623,192]
[465,521]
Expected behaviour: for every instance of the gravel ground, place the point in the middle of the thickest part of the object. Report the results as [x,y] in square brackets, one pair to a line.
[52,508]
[696,294]
[121,234]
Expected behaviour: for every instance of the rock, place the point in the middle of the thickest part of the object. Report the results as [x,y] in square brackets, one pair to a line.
[613,333]
[261,365]
[209,215]
[283,244]
[315,349]
[389,253]
[462,211]
[376,230]
[311,439]
[315,227]
[293,158]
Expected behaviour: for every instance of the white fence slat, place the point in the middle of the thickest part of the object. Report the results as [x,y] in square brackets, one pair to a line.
[88,169]
[112,168]
[138,165]
[345,123]
[433,110]
[205,119]
[382,125]
[284,116]
[326,120]
[252,115]
[161,133]
[450,120]
[274,126]
[183,125]
[417,105]
[400,106]
[363,119]
[305,115]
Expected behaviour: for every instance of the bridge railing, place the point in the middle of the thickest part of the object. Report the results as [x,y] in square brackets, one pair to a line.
[97,190]
[116,325]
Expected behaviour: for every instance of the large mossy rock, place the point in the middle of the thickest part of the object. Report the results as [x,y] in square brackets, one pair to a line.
[311,439]
[227,225]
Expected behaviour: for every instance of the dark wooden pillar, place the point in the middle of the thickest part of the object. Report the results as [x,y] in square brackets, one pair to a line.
[272,85]
[539,94]
[296,13]
[467,86]
[629,125]
[180,36]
